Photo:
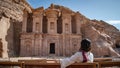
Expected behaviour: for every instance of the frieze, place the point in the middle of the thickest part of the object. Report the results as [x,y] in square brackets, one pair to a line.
[27,36]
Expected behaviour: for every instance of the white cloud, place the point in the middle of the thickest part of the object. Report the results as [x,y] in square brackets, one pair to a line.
[113,22]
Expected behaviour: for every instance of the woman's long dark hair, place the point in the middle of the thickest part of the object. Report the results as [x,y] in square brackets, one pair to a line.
[85,45]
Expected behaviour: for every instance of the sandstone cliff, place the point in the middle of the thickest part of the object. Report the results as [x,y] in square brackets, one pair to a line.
[105,37]
[10,25]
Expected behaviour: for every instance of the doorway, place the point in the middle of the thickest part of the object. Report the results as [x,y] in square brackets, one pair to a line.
[52,48]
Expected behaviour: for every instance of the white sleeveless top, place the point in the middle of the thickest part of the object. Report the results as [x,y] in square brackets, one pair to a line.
[77,57]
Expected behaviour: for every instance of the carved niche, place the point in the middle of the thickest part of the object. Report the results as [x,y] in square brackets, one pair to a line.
[28,46]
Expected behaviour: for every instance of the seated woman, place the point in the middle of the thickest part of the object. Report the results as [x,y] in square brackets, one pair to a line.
[83,55]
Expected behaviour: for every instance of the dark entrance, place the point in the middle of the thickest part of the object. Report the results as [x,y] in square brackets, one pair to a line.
[52,48]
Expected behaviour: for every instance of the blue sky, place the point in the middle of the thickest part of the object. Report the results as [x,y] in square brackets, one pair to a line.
[107,10]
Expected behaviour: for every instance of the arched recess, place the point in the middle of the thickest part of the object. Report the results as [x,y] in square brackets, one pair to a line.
[29,23]
[59,25]
[28,48]
[44,24]
[73,25]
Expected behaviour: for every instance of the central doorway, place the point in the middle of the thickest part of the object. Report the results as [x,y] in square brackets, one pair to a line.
[52,48]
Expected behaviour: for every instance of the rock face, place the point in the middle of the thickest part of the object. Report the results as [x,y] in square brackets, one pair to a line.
[11,12]
[105,37]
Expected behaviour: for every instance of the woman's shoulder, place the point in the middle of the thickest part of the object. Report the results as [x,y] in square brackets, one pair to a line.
[79,52]
[90,54]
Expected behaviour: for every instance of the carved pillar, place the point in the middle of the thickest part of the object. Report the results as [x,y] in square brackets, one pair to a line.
[63,28]
[57,47]
[34,23]
[78,27]
[37,45]
[1,48]
[24,23]
[40,46]
[22,47]
[79,21]
[70,25]
[41,19]
[44,47]
[63,46]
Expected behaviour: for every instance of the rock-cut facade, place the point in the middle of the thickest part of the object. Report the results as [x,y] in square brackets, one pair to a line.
[52,31]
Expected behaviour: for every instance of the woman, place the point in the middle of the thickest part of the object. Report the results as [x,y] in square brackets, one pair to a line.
[83,55]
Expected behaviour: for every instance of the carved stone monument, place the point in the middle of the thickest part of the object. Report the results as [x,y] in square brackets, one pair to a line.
[50,32]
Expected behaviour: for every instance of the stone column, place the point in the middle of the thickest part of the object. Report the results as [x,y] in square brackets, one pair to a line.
[78,26]
[32,46]
[55,25]
[70,32]
[48,27]
[22,48]
[63,46]
[37,45]
[40,45]
[63,28]
[57,47]
[41,19]
[79,21]
[44,47]
[34,23]
[1,48]
[24,23]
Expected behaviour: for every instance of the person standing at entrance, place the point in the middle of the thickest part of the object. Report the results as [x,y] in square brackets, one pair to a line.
[83,55]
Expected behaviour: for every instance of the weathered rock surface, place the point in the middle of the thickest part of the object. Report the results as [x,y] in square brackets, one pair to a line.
[105,37]
[11,12]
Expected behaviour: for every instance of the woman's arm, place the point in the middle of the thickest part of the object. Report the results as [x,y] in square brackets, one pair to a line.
[91,57]
[68,61]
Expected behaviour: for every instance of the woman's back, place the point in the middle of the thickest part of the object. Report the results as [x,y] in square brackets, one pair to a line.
[77,57]
[80,58]
[84,54]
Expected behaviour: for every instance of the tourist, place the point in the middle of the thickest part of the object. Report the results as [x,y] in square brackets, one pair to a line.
[83,55]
